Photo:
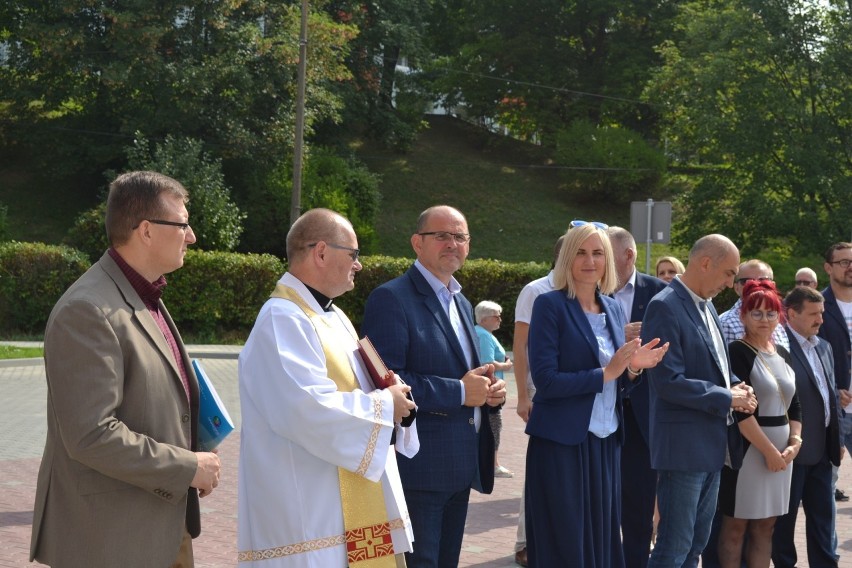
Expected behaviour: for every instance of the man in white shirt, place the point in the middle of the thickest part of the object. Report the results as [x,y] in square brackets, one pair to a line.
[318,479]
[526,388]
[732,325]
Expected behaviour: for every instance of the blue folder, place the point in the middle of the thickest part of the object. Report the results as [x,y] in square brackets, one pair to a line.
[214,422]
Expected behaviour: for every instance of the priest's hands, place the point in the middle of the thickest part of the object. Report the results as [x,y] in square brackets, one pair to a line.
[402,406]
[207,473]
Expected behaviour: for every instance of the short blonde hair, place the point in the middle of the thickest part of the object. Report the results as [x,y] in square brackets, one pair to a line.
[486,308]
[574,238]
[678,265]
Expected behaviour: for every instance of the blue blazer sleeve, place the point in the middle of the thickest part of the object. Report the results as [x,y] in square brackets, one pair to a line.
[566,368]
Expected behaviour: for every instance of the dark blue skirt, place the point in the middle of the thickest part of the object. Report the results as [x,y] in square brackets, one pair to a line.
[573,503]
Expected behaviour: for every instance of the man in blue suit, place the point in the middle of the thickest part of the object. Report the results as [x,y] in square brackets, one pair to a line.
[837,331]
[692,394]
[422,326]
[811,484]
[638,480]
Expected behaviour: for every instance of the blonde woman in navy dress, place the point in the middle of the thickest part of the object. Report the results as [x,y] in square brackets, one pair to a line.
[580,364]
[752,497]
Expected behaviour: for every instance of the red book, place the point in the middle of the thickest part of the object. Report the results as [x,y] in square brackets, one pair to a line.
[379,372]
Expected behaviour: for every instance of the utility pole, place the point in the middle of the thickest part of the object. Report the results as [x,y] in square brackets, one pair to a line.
[296,198]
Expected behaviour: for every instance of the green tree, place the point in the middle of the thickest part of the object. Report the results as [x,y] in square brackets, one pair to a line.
[83,76]
[536,67]
[756,100]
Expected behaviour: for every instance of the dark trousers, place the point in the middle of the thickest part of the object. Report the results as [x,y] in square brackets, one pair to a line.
[437,519]
[638,493]
[811,486]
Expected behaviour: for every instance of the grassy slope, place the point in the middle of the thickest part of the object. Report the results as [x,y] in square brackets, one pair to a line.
[515,209]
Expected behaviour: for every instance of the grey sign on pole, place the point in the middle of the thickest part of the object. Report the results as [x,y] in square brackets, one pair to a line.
[650,222]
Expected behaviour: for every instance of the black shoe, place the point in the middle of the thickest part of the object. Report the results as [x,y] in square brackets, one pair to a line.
[840,496]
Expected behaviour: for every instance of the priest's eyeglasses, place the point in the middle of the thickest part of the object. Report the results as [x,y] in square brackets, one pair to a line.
[353,252]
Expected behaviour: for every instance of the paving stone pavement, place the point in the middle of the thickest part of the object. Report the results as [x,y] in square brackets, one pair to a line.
[492,519]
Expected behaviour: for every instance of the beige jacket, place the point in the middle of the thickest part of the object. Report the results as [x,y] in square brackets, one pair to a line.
[113,487]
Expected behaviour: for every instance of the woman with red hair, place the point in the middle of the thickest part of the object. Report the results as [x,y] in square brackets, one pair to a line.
[752,497]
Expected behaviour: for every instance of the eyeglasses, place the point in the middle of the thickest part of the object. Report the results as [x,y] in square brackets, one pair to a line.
[353,252]
[843,263]
[579,223]
[445,236]
[758,315]
[183,226]
[742,281]
[804,282]
[498,316]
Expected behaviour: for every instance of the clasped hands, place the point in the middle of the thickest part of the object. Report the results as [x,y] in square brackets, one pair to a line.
[482,387]
[635,356]
[743,399]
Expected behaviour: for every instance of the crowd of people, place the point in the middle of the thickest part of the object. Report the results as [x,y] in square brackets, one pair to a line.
[651,418]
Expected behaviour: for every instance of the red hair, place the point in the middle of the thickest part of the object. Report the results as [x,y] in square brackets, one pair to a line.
[761,294]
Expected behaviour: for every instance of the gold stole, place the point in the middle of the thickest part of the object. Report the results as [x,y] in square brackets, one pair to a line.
[365,519]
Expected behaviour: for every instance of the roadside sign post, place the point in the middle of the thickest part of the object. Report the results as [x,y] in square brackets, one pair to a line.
[651,222]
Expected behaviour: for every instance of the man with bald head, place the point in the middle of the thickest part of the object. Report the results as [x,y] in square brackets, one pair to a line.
[732,326]
[422,326]
[318,479]
[692,395]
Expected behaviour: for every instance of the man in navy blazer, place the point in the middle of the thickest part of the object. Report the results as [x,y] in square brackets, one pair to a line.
[422,326]
[835,327]
[638,479]
[692,395]
[811,484]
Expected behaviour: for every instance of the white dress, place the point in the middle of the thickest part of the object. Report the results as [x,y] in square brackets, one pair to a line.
[754,492]
[297,429]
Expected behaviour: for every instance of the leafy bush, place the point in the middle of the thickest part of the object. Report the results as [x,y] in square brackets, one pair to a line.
[216,220]
[33,276]
[342,184]
[217,291]
[88,233]
[617,164]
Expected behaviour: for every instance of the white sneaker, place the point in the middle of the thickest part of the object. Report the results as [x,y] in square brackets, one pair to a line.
[501,471]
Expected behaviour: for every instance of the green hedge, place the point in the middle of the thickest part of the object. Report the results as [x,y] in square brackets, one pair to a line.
[217,293]
[220,291]
[32,278]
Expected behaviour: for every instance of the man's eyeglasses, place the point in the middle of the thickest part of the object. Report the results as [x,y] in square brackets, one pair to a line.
[758,315]
[353,252]
[183,226]
[445,236]
[742,281]
[844,264]
[805,282]
[579,223]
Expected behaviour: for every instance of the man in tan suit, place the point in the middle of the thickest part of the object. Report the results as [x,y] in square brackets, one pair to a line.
[119,479]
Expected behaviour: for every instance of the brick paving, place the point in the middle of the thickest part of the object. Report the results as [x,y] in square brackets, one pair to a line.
[492,519]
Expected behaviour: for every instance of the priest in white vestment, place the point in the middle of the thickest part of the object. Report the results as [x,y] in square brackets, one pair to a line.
[318,479]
